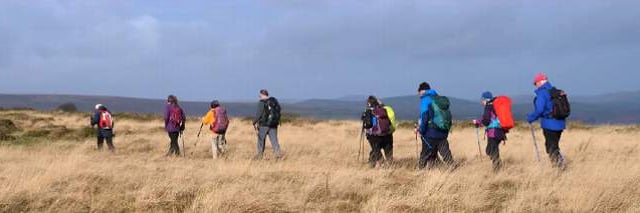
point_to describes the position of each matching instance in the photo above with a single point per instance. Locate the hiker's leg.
(273, 138)
(424, 155)
(175, 147)
(376, 153)
(493, 150)
(221, 143)
(100, 141)
(388, 147)
(214, 147)
(110, 144)
(552, 138)
(443, 149)
(262, 135)
(432, 155)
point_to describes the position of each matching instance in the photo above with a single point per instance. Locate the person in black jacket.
(266, 123)
(494, 132)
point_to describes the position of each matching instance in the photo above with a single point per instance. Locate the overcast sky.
(301, 49)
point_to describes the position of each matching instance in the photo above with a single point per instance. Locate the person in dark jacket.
(434, 141)
(266, 123)
(494, 132)
(174, 124)
(379, 134)
(102, 118)
(551, 128)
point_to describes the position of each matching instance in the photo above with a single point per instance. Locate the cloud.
(320, 48)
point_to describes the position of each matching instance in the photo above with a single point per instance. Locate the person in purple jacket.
(551, 128)
(495, 133)
(174, 123)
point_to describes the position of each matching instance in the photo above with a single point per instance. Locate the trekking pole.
(360, 152)
(197, 138)
(184, 149)
(478, 139)
(535, 145)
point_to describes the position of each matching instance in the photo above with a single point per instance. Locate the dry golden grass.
(320, 172)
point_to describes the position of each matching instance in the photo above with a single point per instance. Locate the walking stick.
(478, 139)
(184, 149)
(360, 149)
(535, 145)
(197, 138)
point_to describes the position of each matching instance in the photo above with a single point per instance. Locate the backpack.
(442, 118)
(273, 112)
(367, 119)
(502, 107)
(175, 116)
(392, 117)
(381, 122)
(105, 121)
(561, 108)
(222, 121)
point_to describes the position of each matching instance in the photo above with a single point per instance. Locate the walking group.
(265, 124)
(379, 124)
(434, 124)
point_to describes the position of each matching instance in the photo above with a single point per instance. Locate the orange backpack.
(502, 106)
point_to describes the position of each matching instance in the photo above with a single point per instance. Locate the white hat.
(98, 106)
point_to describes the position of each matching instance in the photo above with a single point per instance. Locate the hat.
(264, 92)
(98, 106)
(424, 86)
(539, 77)
(215, 103)
(487, 95)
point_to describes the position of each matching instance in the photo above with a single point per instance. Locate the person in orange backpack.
(218, 123)
(102, 118)
(494, 131)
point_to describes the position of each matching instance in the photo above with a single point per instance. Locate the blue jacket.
(425, 115)
(102, 133)
(543, 107)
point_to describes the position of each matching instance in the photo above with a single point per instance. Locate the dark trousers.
(105, 134)
(493, 151)
(174, 147)
(430, 149)
(379, 143)
(552, 140)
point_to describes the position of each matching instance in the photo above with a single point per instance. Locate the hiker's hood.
(430, 92)
(545, 86)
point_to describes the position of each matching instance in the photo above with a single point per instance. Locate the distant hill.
(595, 109)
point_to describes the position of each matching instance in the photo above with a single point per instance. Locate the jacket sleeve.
(486, 117)
(166, 116)
(539, 104)
(207, 118)
(426, 116)
(259, 112)
(95, 119)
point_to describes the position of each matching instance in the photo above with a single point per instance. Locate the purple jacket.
(167, 115)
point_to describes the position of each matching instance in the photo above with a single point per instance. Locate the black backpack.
(561, 108)
(367, 119)
(272, 108)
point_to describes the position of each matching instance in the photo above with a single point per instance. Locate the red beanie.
(539, 77)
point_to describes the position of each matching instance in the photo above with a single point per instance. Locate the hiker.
(378, 129)
(433, 133)
(494, 131)
(394, 125)
(174, 123)
(103, 119)
(266, 123)
(218, 123)
(552, 121)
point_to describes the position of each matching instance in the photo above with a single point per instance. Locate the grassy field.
(48, 163)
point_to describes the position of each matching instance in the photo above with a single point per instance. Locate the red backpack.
(381, 122)
(502, 106)
(222, 121)
(106, 121)
(175, 116)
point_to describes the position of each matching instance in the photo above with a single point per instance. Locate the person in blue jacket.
(434, 141)
(551, 128)
(103, 120)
